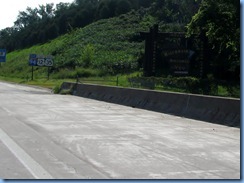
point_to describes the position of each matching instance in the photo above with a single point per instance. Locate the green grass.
(120, 80)
(50, 84)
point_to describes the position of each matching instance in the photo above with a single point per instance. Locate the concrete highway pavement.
(47, 136)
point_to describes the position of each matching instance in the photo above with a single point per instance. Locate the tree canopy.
(219, 21)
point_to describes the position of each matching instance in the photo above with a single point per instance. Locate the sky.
(9, 9)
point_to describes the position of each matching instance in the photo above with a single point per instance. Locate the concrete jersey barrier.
(225, 111)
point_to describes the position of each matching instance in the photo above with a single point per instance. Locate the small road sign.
(48, 62)
(40, 60)
(33, 60)
(3, 53)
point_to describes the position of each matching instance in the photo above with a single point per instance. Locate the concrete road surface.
(47, 136)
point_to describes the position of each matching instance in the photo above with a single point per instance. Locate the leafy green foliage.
(219, 21)
(87, 55)
(105, 47)
(98, 47)
(208, 86)
(46, 22)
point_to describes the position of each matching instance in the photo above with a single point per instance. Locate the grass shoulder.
(183, 85)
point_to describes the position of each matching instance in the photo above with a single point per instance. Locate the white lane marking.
(35, 168)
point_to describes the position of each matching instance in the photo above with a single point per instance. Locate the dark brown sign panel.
(172, 54)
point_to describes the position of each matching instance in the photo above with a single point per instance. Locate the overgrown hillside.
(104, 47)
(109, 46)
(113, 46)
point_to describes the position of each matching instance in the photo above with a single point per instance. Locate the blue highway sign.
(33, 60)
(3, 53)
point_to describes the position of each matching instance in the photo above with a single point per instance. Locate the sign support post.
(48, 72)
(32, 73)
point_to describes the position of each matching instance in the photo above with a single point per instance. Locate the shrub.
(56, 89)
(187, 84)
(87, 55)
(86, 72)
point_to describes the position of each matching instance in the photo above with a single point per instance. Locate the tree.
(27, 18)
(106, 9)
(46, 12)
(61, 8)
(123, 6)
(219, 21)
(177, 11)
(145, 3)
(7, 38)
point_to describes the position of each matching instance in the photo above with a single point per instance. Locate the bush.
(64, 73)
(87, 55)
(85, 72)
(187, 84)
(208, 86)
(56, 89)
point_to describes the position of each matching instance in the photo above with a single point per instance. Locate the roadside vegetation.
(109, 46)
